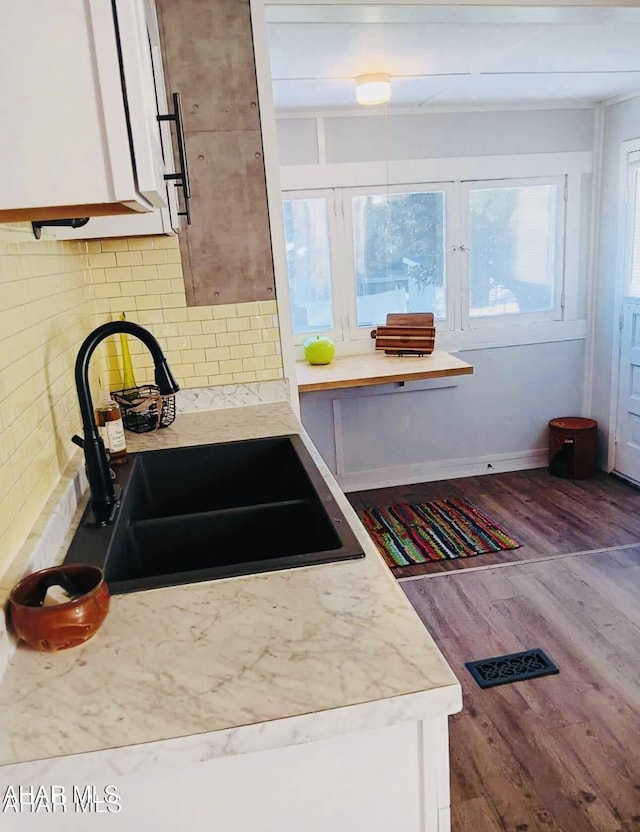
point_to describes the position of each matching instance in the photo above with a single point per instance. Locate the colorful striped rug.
(408, 534)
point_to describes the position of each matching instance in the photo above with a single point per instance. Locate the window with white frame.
(307, 242)
(515, 248)
(398, 253)
(476, 253)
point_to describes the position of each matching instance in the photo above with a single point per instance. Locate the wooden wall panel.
(208, 52)
(208, 55)
(230, 256)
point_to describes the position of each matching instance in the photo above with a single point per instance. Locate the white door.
(627, 449)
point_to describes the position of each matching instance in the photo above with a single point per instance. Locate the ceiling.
(453, 56)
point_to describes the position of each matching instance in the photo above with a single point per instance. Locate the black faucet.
(104, 501)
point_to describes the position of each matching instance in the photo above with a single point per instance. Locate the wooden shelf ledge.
(377, 368)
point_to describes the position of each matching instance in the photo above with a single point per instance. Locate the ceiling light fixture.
(373, 89)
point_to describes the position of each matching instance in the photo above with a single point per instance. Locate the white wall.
(499, 415)
(297, 141)
(388, 435)
(622, 122)
(438, 135)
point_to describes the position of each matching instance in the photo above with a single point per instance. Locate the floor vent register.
(515, 667)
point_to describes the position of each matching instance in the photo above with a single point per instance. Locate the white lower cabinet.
(394, 778)
(80, 136)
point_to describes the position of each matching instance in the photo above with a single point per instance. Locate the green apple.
(318, 349)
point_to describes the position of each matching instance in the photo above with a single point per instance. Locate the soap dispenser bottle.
(111, 428)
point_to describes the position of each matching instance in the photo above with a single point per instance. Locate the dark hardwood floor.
(549, 516)
(559, 753)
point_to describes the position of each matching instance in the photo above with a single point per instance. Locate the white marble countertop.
(232, 665)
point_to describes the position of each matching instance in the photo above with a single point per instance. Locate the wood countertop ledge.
(376, 368)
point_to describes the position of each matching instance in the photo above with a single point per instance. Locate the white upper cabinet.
(80, 135)
(164, 219)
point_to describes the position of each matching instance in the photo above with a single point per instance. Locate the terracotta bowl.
(64, 625)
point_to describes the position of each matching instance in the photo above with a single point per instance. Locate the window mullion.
(337, 268)
(343, 273)
(463, 258)
(561, 250)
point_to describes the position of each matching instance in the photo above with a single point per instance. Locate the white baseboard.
(444, 469)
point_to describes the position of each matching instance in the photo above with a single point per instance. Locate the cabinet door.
(170, 215)
(140, 99)
(375, 780)
(162, 220)
(209, 60)
(67, 135)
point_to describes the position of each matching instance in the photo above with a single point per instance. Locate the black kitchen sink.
(213, 477)
(215, 511)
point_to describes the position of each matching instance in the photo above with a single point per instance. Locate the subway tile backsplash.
(46, 309)
(52, 294)
(205, 345)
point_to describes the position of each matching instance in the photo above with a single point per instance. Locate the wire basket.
(144, 408)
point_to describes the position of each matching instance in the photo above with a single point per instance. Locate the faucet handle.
(79, 441)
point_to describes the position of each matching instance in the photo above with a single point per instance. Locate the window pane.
(399, 255)
(306, 230)
(512, 245)
(633, 278)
